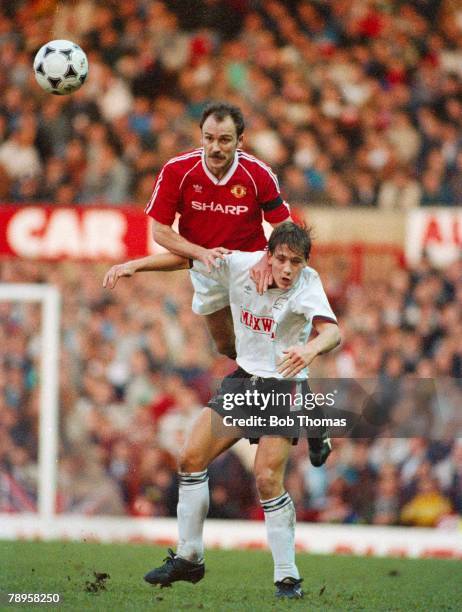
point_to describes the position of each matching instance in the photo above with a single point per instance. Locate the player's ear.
(240, 140)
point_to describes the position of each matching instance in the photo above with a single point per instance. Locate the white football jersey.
(266, 325)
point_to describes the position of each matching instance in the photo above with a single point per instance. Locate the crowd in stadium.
(139, 366)
(349, 101)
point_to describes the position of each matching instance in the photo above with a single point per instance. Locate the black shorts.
(278, 395)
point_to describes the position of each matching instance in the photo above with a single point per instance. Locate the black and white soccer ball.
(60, 67)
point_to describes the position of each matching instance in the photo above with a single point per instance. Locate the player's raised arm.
(162, 262)
(296, 358)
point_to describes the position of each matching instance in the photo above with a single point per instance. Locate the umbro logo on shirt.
(262, 325)
(279, 303)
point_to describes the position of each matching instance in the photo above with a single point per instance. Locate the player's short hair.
(297, 238)
(221, 110)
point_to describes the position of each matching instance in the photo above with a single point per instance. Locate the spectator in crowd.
(427, 506)
(107, 179)
(449, 474)
(386, 499)
(435, 190)
(18, 154)
(85, 488)
(322, 89)
(399, 192)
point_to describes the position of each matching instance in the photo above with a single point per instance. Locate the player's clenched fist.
(116, 272)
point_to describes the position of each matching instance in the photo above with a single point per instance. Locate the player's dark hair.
(296, 237)
(221, 110)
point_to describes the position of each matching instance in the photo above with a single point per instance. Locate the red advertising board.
(86, 233)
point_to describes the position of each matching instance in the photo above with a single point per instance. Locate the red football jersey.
(215, 212)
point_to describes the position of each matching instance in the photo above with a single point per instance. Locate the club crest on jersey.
(261, 325)
(238, 191)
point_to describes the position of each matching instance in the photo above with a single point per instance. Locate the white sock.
(280, 527)
(193, 506)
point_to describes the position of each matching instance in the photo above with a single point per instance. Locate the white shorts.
(209, 294)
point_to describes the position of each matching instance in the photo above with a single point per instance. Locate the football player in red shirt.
(221, 195)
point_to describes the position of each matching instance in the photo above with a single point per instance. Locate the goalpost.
(49, 298)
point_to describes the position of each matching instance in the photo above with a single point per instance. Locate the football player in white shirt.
(272, 344)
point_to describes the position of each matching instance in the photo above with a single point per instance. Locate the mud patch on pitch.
(98, 584)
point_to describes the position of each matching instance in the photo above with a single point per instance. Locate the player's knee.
(191, 460)
(269, 483)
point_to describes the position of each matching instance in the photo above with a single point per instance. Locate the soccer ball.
(60, 67)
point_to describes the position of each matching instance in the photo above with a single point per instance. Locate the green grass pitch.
(234, 580)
